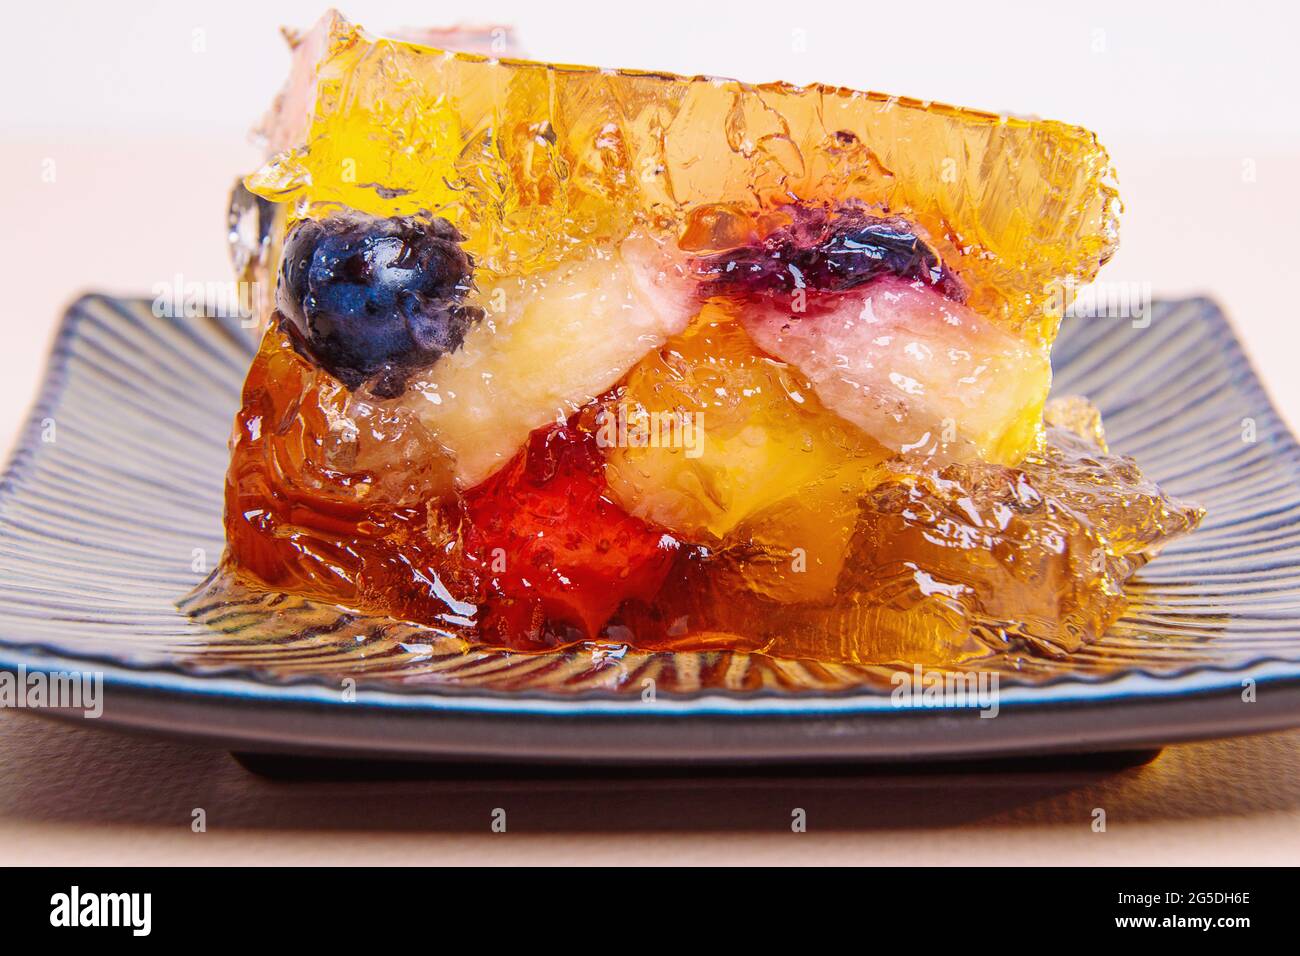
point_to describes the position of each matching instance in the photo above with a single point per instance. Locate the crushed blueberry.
(371, 300)
(825, 251)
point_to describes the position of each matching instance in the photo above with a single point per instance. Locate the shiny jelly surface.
(560, 355)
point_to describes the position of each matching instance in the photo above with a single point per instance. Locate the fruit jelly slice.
(531, 160)
(534, 165)
(555, 550)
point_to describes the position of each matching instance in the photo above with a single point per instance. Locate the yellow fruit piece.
(794, 550)
(549, 344)
(761, 463)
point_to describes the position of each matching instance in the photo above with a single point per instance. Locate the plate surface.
(110, 517)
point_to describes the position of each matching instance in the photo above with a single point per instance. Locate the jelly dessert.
(554, 355)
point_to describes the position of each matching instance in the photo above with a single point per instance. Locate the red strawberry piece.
(554, 548)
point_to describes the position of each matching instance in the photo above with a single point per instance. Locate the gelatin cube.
(630, 446)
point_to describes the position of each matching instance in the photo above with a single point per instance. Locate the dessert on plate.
(555, 354)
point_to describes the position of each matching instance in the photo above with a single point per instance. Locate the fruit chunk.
(820, 250)
(767, 463)
(916, 371)
(553, 546)
(369, 298)
(551, 343)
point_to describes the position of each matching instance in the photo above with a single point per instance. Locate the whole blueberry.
(372, 299)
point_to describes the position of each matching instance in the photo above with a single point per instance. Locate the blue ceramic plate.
(110, 523)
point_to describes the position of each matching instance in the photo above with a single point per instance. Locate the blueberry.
(823, 252)
(371, 300)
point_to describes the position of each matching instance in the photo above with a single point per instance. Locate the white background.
(1185, 75)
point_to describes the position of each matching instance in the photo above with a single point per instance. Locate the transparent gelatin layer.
(557, 354)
